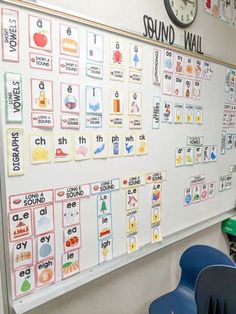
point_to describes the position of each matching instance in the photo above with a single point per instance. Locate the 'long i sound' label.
(13, 97)
(15, 152)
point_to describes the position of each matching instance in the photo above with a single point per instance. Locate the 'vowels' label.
(10, 35)
(13, 97)
(15, 152)
(40, 61)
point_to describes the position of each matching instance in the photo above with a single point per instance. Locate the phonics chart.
(109, 144)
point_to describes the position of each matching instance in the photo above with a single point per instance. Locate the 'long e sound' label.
(13, 97)
(15, 152)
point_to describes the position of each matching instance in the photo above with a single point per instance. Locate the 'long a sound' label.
(13, 97)
(15, 152)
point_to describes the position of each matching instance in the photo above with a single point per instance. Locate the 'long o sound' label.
(15, 152)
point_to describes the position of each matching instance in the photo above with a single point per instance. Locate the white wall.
(131, 289)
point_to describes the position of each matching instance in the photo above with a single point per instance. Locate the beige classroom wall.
(130, 289)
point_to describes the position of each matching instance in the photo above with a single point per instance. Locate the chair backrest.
(216, 290)
(198, 257)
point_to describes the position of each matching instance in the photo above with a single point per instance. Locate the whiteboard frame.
(49, 293)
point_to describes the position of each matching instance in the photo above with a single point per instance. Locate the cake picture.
(69, 45)
(21, 230)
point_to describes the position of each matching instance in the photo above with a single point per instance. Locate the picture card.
(129, 144)
(168, 61)
(45, 246)
(94, 100)
(13, 97)
(198, 155)
(188, 88)
(104, 226)
(99, 146)
(198, 67)
(167, 84)
(178, 113)
(70, 213)
(24, 281)
(15, 152)
(105, 250)
(156, 194)
(141, 144)
(197, 85)
(156, 213)
(132, 242)
(189, 114)
(69, 40)
(136, 56)
(166, 114)
(10, 35)
(45, 272)
(20, 225)
(116, 101)
(204, 191)
(206, 153)
(178, 86)
(40, 33)
(156, 233)
(211, 7)
(43, 219)
(188, 196)
(135, 103)
(178, 63)
(69, 98)
(188, 66)
(179, 157)
(62, 147)
(72, 238)
(82, 146)
(23, 253)
(189, 156)
(41, 95)
(117, 52)
(95, 47)
(103, 204)
(40, 149)
(131, 198)
(213, 153)
(115, 145)
(198, 114)
(131, 220)
(70, 264)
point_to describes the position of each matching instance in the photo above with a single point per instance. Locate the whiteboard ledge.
(51, 292)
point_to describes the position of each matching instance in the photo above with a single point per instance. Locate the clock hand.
(188, 1)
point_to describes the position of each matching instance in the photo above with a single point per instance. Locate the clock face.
(182, 12)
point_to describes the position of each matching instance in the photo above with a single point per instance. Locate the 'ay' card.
(43, 219)
(82, 146)
(23, 253)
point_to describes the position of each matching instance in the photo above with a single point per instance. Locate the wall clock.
(182, 12)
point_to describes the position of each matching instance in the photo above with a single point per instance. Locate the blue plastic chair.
(193, 260)
(216, 290)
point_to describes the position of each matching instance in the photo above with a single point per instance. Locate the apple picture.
(40, 39)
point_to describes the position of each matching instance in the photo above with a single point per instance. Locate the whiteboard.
(160, 157)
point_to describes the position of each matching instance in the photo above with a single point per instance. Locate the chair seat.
(179, 301)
